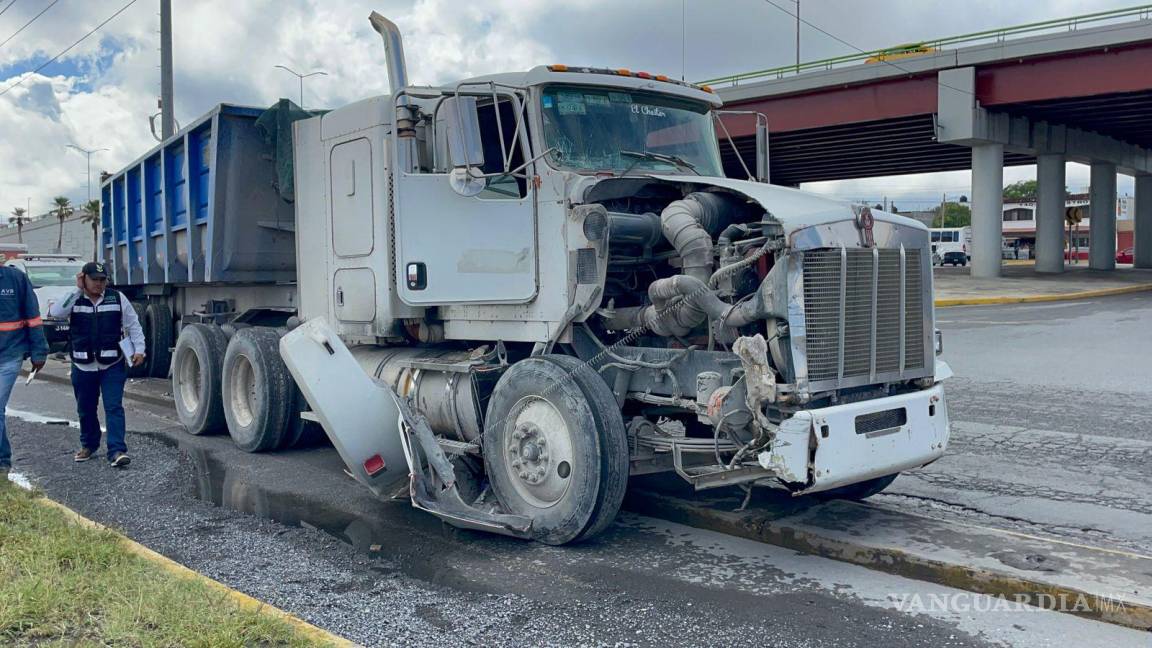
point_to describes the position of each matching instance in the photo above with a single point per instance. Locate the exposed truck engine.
(514, 292)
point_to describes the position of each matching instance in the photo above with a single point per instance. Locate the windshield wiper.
(659, 157)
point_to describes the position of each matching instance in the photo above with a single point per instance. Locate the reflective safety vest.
(96, 330)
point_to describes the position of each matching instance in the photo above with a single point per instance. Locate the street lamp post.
(88, 154)
(301, 77)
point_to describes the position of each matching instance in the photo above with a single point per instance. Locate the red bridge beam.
(886, 99)
(1065, 76)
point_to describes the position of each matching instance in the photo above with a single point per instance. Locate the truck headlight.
(939, 338)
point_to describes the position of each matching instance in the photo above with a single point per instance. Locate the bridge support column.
(1143, 222)
(1102, 211)
(1050, 213)
(987, 208)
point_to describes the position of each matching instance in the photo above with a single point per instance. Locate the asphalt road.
(291, 529)
(1051, 412)
(1052, 435)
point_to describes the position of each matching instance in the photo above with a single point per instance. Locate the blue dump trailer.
(202, 226)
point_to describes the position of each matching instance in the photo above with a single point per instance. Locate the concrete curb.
(843, 536)
(1025, 299)
(241, 599)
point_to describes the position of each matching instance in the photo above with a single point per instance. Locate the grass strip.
(66, 585)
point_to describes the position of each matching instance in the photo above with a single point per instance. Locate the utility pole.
(167, 119)
(301, 77)
(88, 155)
(797, 36)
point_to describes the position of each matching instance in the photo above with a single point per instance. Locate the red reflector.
(644, 75)
(373, 465)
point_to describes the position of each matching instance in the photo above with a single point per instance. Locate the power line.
(7, 8)
(42, 12)
(28, 75)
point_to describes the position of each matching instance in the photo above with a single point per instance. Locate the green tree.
(92, 217)
(1022, 190)
(63, 211)
(952, 214)
(19, 216)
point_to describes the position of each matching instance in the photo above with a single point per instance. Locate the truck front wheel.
(258, 390)
(544, 451)
(196, 372)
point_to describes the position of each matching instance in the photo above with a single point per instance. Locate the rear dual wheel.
(555, 448)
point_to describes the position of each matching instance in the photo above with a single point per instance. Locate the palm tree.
(19, 217)
(92, 217)
(63, 211)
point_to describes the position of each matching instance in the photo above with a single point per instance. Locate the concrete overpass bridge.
(1078, 89)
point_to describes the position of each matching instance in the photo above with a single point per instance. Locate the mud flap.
(358, 414)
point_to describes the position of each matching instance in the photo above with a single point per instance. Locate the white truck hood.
(793, 208)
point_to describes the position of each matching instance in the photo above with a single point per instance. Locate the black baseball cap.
(95, 270)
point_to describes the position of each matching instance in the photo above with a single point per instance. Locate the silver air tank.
(438, 381)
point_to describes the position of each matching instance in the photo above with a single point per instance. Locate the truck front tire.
(259, 396)
(196, 373)
(549, 455)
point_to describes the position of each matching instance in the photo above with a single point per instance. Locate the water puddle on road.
(213, 482)
(395, 532)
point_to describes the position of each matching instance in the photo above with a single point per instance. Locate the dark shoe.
(119, 460)
(4, 470)
(83, 455)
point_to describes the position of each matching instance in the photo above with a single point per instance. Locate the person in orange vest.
(21, 337)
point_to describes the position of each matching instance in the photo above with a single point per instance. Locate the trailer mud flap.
(357, 413)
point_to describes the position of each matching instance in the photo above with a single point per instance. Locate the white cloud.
(225, 51)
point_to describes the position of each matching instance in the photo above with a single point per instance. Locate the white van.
(955, 240)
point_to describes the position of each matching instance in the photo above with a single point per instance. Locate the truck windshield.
(52, 275)
(618, 130)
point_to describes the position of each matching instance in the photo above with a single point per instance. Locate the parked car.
(954, 259)
(1127, 255)
(53, 278)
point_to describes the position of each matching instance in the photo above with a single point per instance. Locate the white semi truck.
(509, 294)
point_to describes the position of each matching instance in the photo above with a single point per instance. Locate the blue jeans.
(89, 387)
(9, 372)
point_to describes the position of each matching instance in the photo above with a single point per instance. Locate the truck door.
(454, 248)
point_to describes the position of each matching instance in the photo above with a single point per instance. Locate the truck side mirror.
(762, 149)
(461, 122)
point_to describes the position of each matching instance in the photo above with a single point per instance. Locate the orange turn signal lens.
(624, 72)
(661, 77)
(558, 68)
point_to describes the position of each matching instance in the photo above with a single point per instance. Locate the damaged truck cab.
(539, 284)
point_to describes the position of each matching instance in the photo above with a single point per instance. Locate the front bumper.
(821, 449)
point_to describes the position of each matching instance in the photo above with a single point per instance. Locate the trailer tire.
(196, 375)
(258, 390)
(542, 450)
(860, 490)
(158, 339)
(142, 370)
(614, 456)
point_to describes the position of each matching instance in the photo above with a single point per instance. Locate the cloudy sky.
(101, 93)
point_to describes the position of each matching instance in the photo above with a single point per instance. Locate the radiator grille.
(854, 310)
